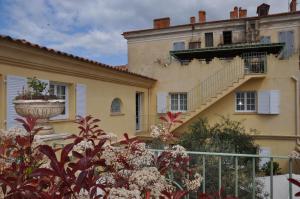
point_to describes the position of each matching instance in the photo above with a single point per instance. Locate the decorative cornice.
(210, 25)
(69, 66)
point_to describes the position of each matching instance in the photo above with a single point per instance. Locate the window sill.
(61, 120)
(140, 131)
(178, 111)
(245, 113)
(117, 114)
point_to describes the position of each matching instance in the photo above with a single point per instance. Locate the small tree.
(226, 136)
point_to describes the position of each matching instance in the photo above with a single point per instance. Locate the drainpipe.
(297, 112)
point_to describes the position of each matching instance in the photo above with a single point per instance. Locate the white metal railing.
(235, 166)
(250, 63)
(215, 83)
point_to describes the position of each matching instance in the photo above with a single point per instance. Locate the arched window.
(116, 106)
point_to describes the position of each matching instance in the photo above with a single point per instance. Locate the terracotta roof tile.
(122, 67)
(25, 42)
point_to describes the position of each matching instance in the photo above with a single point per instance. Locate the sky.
(93, 28)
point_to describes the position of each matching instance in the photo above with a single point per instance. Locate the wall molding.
(68, 66)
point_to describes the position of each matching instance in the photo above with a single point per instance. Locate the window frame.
(66, 115)
(206, 35)
(120, 106)
(246, 98)
(180, 105)
(139, 112)
(225, 36)
(184, 45)
(194, 45)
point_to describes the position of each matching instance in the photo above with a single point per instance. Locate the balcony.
(226, 51)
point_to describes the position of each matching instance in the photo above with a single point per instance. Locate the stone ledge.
(51, 137)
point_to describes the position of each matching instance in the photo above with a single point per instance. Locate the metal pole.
(220, 173)
(203, 174)
(290, 176)
(253, 178)
(271, 179)
(236, 177)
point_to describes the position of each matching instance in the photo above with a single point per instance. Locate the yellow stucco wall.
(148, 54)
(99, 93)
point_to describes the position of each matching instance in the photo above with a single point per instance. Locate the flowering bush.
(91, 166)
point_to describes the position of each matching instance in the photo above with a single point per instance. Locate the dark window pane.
(209, 39)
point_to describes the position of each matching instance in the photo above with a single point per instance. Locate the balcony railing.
(215, 83)
(233, 166)
(255, 63)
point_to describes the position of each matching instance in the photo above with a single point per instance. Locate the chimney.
(202, 16)
(242, 13)
(161, 23)
(263, 10)
(193, 20)
(235, 13)
(293, 6)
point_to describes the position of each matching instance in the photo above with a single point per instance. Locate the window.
(265, 40)
(194, 45)
(139, 111)
(209, 39)
(227, 37)
(61, 91)
(246, 101)
(116, 106)
(179, 45)
(287, 37)
(178, 102)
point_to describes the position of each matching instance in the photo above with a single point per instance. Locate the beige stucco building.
(89, 88)
(246, 68)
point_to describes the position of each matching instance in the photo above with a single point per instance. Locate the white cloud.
(93, 28)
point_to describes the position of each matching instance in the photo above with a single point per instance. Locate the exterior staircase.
(218, 85)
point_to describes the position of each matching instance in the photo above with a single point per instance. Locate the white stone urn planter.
(41, 109)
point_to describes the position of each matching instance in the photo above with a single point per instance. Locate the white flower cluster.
(138, 157)
(149, 178)
(109, 136)
(13, 132)
(82, 146)
(83, 194)
(110, 155)
(192, 185)
(107, 178)
(143, 176)
(122, 193)
(178, 150)
(141, 157)
(160, 131)
(156, 131)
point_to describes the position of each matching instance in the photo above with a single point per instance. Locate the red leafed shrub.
(297, 183)
(90, 166)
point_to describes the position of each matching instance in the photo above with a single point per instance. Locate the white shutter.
(81, 99)
(162, 102)
(269, 102)
(274, 102)
(263, 102)
(14, 86)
